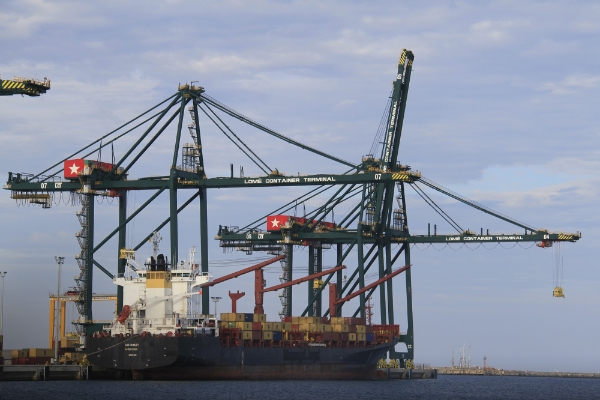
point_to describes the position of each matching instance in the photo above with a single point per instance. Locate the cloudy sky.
(502, 108)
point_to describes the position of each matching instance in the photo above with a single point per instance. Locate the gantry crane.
(375, 225)
(24, 86)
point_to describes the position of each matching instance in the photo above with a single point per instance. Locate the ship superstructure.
(160, 299)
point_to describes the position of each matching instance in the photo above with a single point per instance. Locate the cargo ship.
(159, 335)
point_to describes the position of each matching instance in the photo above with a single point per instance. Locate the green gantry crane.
(24, 86)
(376, 224)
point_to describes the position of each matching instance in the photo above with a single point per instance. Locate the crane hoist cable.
(227, 110)
(234, 142)
(437, 208)
(558, 270)
(473, 204)
(237, 137)
(382, 126)
(300, 199)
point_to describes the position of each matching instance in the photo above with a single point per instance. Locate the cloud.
(572, 84)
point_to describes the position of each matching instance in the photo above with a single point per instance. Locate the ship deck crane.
(373, 226)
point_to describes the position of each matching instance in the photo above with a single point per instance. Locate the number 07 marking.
(377, 177)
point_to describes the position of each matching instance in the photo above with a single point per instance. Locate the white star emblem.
(74, 168)
(275, 223)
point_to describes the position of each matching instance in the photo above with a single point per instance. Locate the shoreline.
(506, 372)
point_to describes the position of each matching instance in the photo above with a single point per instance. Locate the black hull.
(203, 358)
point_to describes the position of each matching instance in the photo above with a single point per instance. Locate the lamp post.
(2, 275)
(216, 300)
(60, 261)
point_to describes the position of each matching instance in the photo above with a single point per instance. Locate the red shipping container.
(256, 326)
(295, 327)
(344, 336)
(287, 319)
(15, 361)
(257, 335)
(369, 329)
(324, 320)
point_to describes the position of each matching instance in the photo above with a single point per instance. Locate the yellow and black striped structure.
(23, 86)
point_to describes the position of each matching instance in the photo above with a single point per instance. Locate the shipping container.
(296, 320)
(361, 329)
(344, 336)
(239, 317)
(340, 328)
(23, 353)
(361, 337)
(256, 335)
(327, 328)
(248, 317)
(277, 335)
(266, 326)
(331, 336)
(226, 317)
(14, 353)
(247, 326)
(287, 319)
(304, 327)
(295, 328)
(267, 335)
(369, 337)
(256, 326)
(352, 337)
(247, 335)
(286, 326)
(277, 326)
(259, 318)
(15, 361)
(316, 327)
(351, 328)
(324, 320)
(369, 328)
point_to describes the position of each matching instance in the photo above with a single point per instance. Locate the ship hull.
(204, 358)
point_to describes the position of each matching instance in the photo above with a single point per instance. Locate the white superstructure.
(159, 299)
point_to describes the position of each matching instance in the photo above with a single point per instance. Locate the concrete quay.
(507, 372)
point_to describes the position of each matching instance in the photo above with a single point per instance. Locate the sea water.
(445, 387)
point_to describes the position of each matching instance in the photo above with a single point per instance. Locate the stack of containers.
(313, 329)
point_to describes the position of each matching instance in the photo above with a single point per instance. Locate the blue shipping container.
(248, 317)
(369, 337)
(277, 335)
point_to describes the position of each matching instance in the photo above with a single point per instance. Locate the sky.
(501, 108)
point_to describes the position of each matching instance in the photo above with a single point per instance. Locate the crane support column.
(382, 272)
(337, 290)
(390, 288)
(204, 248)
(319, 268)
(122, 243)
(311, 282)
(290, 262)
(89, 263)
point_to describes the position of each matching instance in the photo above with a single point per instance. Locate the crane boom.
(24, 86)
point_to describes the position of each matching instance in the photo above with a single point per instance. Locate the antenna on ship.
(155, 239)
